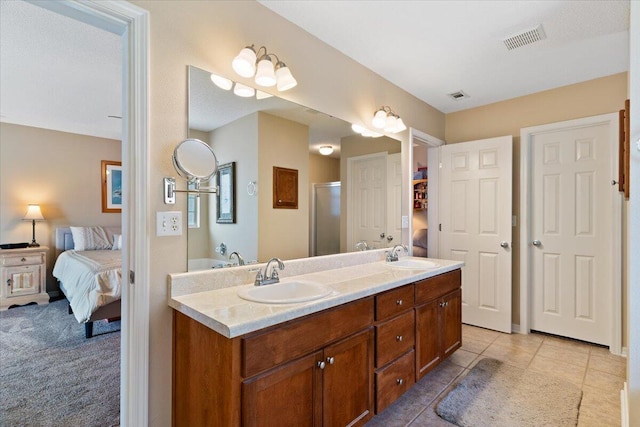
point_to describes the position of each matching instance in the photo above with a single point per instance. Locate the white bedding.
(89, 279)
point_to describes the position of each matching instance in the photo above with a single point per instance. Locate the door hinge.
(132, 277)
(439, 227)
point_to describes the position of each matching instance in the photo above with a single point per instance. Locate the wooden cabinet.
(438, 320)
(23, 275)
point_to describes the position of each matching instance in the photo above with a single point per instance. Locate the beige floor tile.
(462, 358)
(567, 343)
(565, 354)
(526, 342)
(603, 381)
(442, 375)
(598, 402)
(591, 420)
(479, 334)
(509, 354)
(429, 418)
(558, 369)
(610, 364)
(473, 345)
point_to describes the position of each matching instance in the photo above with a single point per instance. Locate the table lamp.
(33, 214)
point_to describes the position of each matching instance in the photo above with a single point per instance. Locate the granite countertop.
(226, 313)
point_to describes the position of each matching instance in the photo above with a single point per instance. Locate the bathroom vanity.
(335, 361)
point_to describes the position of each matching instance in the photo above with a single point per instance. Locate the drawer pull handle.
(321, 364)
(399, 381)
(399, 338)
(399, 302)
(331, 360)
(23, 259)
(9, 281)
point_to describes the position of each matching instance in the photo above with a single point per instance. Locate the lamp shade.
(379, 119)
(33, 214)
(221, 82)
(265, 76)
(325, 150)
(390, 126)
(243, 91)
(285, 78)
(400, 125)
(245, 63)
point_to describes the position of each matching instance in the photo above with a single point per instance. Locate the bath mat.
(499, 395)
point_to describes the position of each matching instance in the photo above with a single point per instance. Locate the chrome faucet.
(240, 259)
(266, 278)
(392, 255)
(362, 245)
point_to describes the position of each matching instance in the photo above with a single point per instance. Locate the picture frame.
(111, 186)
(226, 195)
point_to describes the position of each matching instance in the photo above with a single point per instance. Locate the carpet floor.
(51, 375)
(499, 395)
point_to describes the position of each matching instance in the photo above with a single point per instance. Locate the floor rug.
(51, 375)
(500, 395)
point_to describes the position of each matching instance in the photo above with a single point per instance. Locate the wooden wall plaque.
(285, 188)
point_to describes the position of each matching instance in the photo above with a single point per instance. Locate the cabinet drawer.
(266, 349)
(437, 286)
(393, 302)
(22, 260)
(394, 337)
(394, 380)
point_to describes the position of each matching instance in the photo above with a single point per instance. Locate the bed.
(90, 279)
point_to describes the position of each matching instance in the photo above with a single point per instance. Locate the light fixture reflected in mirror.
(250, 63)
(243, 91)
(325, 150)
(221, 82)
(365, 132)
(384, 118)
(262, 95)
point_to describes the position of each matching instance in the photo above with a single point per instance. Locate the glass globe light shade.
(245, 63)
(379, 119)
(391, 124)
(244, 91)
(400, 125)
(221, 82)
(325, 150)
(357, 128)
(265, 76)
(285, 78)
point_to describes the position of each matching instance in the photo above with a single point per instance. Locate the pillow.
(117, 242)
(90, 238)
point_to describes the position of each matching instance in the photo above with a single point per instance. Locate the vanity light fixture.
(365, 132)
(221, 82)
(240, 89)
(325, 150)
(384, 118)
(260, 63)
(243, 91)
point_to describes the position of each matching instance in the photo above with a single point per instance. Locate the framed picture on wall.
(226, 196)
(111, 186)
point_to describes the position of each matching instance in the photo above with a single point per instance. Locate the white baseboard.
(624, 406)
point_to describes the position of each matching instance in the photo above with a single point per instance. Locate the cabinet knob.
(331, 360)
(321, 364)
(399, 338)
(9, 281)
(399, 381)
(23, 259)
(441, 304)
(399, 302)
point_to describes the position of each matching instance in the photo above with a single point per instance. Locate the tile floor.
(593, 368)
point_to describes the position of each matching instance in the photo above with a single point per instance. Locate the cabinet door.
(22, 280)
(451, 323)
(348, 383)
(290, 395)
(428, 353)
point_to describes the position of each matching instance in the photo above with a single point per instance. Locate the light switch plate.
(169, 223)
(405, 221)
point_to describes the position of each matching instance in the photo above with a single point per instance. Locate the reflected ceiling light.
(365, 132)
(325, 150)
(262, 95)
(385, 118)
(221, 82)
(250, 63)
(243, 91)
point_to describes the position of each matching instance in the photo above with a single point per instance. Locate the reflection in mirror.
(349, 196)
(195, 160)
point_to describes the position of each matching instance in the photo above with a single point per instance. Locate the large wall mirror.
(346, 201)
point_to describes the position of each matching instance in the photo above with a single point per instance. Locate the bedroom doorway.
(131, 24)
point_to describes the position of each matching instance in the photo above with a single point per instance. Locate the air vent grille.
(457, 96)
(527, 37)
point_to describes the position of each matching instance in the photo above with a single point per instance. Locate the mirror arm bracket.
(169, 186)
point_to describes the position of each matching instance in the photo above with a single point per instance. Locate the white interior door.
(475, 217)
(572, 233)
(394, 200)
(367, 210)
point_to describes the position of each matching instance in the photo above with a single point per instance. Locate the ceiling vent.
(524, 38)
(457, 96)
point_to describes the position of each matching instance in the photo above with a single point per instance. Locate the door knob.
(614, 182)
(389, 238)
(536, 243)
(504, 244)
(382, 235)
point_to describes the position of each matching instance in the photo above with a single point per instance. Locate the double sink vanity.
(335, 342)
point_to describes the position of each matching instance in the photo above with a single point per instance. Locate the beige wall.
(282, 232)
(209, 35)
(590, 98)
(58, 170)
(323, 169)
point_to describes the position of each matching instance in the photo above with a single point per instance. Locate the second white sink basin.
(412, 264)
(285, 292)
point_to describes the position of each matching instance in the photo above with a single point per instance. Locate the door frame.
(615, 202)
(132, 24)
(312, 212)
(418, 137)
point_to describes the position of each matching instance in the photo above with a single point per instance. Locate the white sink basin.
(412, 264)
(285, 292)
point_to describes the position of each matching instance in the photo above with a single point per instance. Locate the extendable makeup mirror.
(195, 161)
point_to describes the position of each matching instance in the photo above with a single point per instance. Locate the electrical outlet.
(169, 223)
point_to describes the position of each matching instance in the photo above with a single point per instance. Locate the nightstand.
(23, 274)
